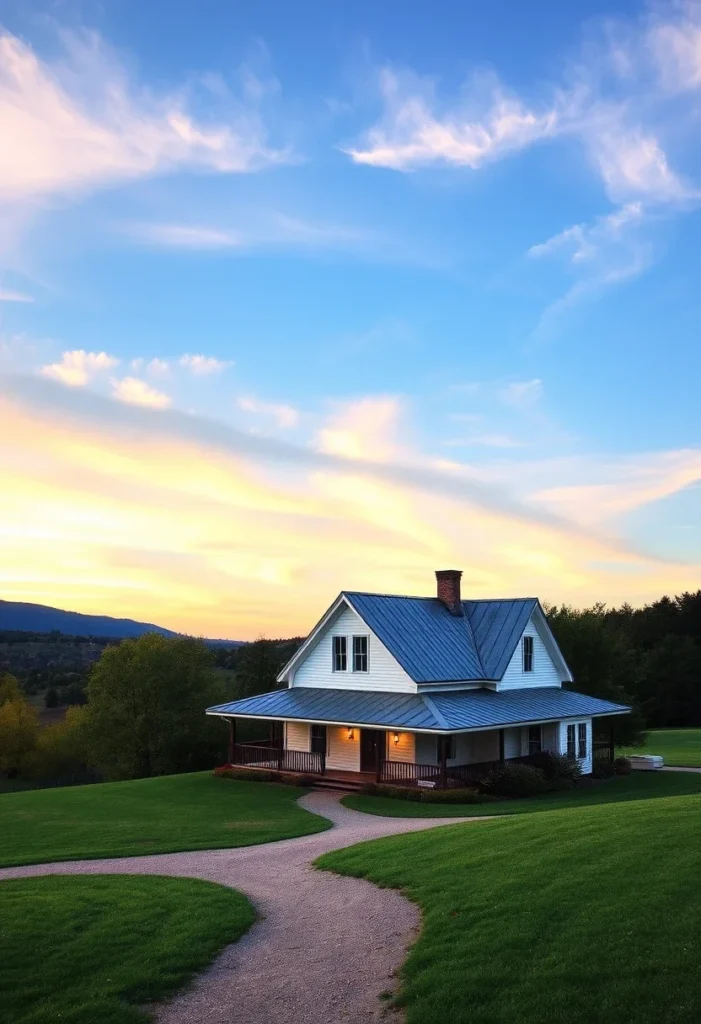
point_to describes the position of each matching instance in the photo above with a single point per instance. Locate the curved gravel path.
(326, 947)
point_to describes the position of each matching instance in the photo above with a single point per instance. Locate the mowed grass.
(100, 948)
(162, 815)
(680, 747)
(582, 914)
(637, 786)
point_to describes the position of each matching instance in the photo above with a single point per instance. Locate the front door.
(372, 749)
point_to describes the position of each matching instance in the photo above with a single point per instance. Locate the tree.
(19, 729)
(9, 688)
(61, 748)
(51, 698)
(604, 663)
(146, 708)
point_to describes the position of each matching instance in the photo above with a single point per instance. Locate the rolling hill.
(41, 618)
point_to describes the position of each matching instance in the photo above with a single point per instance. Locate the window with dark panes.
(528, 654)
(571, 741)
(360, 654)
(318, 738)
(582, 740)
(340, 654)
(535, 739)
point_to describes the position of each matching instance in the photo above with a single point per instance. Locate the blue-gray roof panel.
(439, 712)
(432, 645)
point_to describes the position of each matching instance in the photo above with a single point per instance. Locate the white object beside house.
(420, 690)
(646, 762)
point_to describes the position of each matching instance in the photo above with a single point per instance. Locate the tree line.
(145, 698)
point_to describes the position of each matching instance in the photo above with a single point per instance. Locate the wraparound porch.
(410, 758)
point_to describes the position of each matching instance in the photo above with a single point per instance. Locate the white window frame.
(582, 739)
(366, 655)
(341, 654)
(527, 653)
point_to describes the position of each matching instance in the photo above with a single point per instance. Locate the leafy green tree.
(61, 748)
(604, 663)
(146, 708)
(51, 698)
(19, 730)
(9, 688)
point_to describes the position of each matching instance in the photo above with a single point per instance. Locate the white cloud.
(202, 366)
(284, 415)
(138, 392)
(411, 134)
(10, 296)
(583, 242)
(676, 48)
(80, 123)
(364, 428)
(78, 367)
(522, 394)
(632, 164)
(185, 236)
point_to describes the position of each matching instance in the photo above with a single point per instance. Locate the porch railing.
(405, 773)
(276, 759)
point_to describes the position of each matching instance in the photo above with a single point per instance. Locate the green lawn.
(681, 747)
(581, 914)
(99, 948)
(163, 815)
(638, 786)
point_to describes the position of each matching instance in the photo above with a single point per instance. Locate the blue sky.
(298, 298)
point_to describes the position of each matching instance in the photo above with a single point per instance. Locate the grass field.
(86, 949)
(638, 786)
(163, 815)
(581, 914)
(681, 747)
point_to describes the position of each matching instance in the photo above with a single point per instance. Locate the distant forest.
(649, 657)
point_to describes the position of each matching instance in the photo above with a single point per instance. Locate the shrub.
(622, 766)
(558, 768)
(514, 780)
(427, 796)
(602, 770)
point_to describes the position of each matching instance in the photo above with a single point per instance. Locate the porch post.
(612, 745)
(501, 746)
(444, 766)
(232, 739)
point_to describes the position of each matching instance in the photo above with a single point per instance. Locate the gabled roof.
(434, 646)
(438, 713)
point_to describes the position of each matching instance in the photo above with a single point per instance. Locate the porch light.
(351, 734)
(396, 738)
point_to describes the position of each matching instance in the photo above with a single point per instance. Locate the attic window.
(340, 654)
(528, 654)
(360, 654)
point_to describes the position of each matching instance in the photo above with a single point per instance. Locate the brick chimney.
(448, 589)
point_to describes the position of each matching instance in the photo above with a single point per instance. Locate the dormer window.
(360, 654)
(527, 644)
(340, 653)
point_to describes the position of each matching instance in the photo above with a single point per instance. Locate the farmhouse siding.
(296, 736)
(342, 753)
(544, 672)
(384, 673)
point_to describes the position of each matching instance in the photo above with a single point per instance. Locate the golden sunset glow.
(152, 525)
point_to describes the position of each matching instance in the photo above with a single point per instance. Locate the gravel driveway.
(326, 947)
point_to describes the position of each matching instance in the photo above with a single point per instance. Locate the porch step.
(347, 785)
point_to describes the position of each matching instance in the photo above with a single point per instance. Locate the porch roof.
(458, 711)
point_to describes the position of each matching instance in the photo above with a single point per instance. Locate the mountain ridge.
(26, 617)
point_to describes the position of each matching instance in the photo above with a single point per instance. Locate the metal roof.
(432, 645)
(437, 712)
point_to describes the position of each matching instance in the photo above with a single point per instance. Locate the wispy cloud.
(284, 415)
(11, 296)
(134, 391)
(80, 123)
(77, 368)
(485, 441)
(412, 133)
(204, 366)
(155, 367)
(184, 236)
(522, 394)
